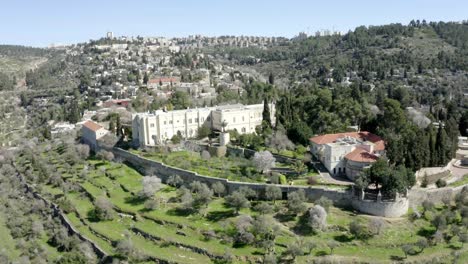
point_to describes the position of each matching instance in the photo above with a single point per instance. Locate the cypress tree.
(266, 113)
(441, 146)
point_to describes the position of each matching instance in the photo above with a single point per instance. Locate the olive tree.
(104, 209)
(273, 193)
(237, 201)
(151, 184)
(317, 218)
(218, 188)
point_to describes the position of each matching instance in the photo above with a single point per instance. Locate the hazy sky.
(41, 22)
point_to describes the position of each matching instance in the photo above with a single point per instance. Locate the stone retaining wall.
(339, 197)
(395, 208)
(437, 196)
(163, 171)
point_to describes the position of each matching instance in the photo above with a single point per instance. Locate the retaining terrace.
(346, 198)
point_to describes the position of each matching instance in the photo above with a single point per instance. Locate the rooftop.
(361, 155)
(91, 125)
(379, 144)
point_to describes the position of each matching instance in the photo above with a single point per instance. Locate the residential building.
(348, 153)
(163, 82)
(91, 132)
(150, 129)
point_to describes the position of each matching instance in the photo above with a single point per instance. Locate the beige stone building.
(348, 153)
(150, 129)
(91, 132)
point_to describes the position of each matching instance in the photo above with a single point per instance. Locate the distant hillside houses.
(150, 129)
(347, 154)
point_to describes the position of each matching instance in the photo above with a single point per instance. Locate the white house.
(150, 129)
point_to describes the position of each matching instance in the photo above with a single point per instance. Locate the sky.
(43, 22)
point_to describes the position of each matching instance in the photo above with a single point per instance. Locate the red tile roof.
(361, 155)
(93, 126)
(379, 144)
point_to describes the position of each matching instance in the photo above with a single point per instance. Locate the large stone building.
(150, 129)
(347, 153)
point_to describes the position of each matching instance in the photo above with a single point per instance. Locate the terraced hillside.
(214, 232)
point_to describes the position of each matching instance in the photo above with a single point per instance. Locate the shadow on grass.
(343, 238)
(285, 217)
(92, 217)
(179, 212)
(427, 231)
(220, 215)
(135, 200)
(321, 253)
(302, 228)
(397, 258)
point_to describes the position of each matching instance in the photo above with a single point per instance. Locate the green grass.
(7, 243)
(460, 182)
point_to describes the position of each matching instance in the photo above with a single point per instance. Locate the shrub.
(175, 181)
(312, 180)
(359, 230)
(424, 182)
(441, 183)
(282, 179)
(324, 202)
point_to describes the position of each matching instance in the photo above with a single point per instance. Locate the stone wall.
(163, 171)
(432, 174)
(437, 196)
(395, 208)
(339, 197)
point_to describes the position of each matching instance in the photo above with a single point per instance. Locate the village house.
(163, 82)
(150, 129)
(91, 132)
(347, 154)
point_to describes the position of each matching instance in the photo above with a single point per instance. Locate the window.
(233, 119)
(170, 122)
(164, 122)
(243, 119)
(243, 130)
(151, 125)
(190, 121)
(208, 119)
(196, 120)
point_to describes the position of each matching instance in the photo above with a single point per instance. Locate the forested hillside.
(393, 80)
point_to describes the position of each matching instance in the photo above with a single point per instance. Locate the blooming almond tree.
(264, 161)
